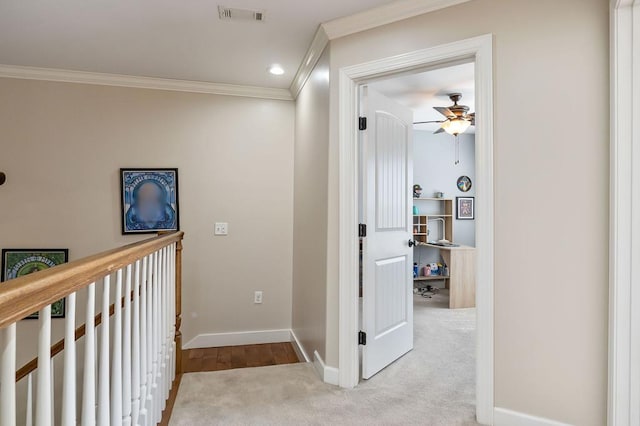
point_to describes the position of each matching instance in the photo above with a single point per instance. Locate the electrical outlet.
(221, 228)
(257, 297)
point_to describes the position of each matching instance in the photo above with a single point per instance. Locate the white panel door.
(387, 316)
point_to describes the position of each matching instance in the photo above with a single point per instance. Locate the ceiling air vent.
(231, 14)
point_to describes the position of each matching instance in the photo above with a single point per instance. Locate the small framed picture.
(19, 262)
(465, 208)
(149, 199)
(464, 183)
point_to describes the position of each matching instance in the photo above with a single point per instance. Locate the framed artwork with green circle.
(19, 262)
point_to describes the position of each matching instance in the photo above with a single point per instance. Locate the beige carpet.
(432, 385)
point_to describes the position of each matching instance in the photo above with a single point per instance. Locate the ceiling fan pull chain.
(457, 142)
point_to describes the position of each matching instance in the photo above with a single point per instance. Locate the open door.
(387, 290)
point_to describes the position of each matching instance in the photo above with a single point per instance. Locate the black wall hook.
(3, 178)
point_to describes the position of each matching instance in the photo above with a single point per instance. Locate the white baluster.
(29, 415)
(8, 375)
(171, 316)
(89, 379)
(150, 349)
(167, 321)
(69, 384)
(103, 372)
(135, 339)
(44, 412)
(143, 347)
(126, 351)
(164, 351)
(52, 393)
(116, 356)
(173, 311)
(156, 336)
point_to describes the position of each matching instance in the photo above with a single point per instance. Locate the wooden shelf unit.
(460, 260)
(424, 223)
(432, 278)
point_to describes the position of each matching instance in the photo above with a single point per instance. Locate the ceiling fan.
(458, 119)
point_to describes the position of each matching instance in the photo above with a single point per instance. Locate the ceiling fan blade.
(440, 130)
(445, 111)
(426, 122)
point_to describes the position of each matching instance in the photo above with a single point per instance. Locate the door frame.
(480, 51)
(624, 230)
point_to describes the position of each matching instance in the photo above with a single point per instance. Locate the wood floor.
(228, 357)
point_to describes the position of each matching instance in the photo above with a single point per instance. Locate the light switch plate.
(221, 228)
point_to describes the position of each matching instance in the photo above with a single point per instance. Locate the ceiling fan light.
(456, 126)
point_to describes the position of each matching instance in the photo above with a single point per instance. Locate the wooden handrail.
(20, 297)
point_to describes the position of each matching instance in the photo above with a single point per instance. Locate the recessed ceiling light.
(276, 70)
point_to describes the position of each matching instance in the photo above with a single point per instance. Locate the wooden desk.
(461, 280)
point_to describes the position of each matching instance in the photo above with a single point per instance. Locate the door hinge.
(362, 338)
(362, 123)
(362, 230)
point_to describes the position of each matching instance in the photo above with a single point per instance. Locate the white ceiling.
(167, 38)
(421, 92)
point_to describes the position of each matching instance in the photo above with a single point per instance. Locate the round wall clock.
(464, 183)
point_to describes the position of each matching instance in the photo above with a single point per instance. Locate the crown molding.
(102, 79)
(386, 14)
(319, 43)
(619, 4)
(393, 12)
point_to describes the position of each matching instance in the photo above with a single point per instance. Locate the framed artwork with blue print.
(149, 200)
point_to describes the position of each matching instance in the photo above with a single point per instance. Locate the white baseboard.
(214, 340)
(327, 374)
(504, 417)
(297, 346)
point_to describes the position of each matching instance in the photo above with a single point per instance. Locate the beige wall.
(551, 191)
(310, 210)
(62, 145)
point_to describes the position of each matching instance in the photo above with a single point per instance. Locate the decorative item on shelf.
(434, 269)
(464, 183)
(3, 178)
(439, 194)
(465, 208)
(416, 212)
(19, 262)
(417, 191)
(415, 270)
(427, 270)
(149, 199)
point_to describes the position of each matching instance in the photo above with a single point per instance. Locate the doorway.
(478, 50)
(419, 322)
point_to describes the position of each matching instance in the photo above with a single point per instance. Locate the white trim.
(624, 245)
(328, 375)
(102, 79)
(214, 340)
(319, 43)
(386, 14)
(480, 50)
(504, 417)
(297, 346)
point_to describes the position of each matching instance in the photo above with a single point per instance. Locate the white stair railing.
(131, 348)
